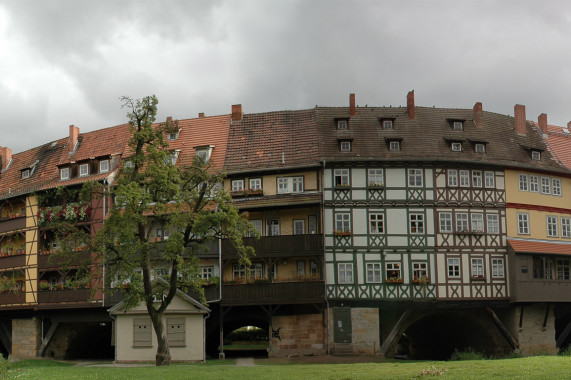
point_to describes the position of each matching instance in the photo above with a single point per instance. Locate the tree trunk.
(163, 356)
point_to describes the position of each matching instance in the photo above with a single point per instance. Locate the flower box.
(252, 192)
(342, 233)
(239, 193)
(394, 281)
(478, 278)
(376, 185)
(421, 281)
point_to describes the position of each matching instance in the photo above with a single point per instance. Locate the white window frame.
(565, 227)
(534, 184)
(84, 170)
(341, 177)
(479, 148)
(523, 223)
(374, 273)
(476, 178)
(206, 272)
(445, 219)
(342, 124)
(345, 146)
(452, 178)
(343, 221)
(456, 147)
(545, 185)
(258, 225)
(493, 223)
(536, 155)
(237, 185)
(299, 226)
(25, 173)
(290, 185)
(171, 136)
(171, 157)
(414, 177)
(498, 268)
(419, 270)
(556, 186)
(394, 145)
(64, 173)
(464, 178)
(552, 225)
(490, 180)
(462, 222)
(255, 183)
(458, 125)
(522, 181)
(393, 271)
(376, 223)
(416, 223)
(477, 267)
(103, 166)
(477, 222)
(453, 267)
(376, 177)
(388, 124)
(344, 273)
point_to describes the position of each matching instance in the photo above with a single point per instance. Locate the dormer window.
(456, 146)
(64, 173)
(204, 152)
(479, 148)
(394, 145)
(345, 146)
(129, 164)
(387, 124)
(458, 125)
(172, 135)
(103, 166)
(536, 155)
(171, 157)
(342, 124)
(83, 170)
(25, 173)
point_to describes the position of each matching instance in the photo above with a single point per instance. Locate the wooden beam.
(47, 339)
(563, 336)
(503, 329)
(390, 343)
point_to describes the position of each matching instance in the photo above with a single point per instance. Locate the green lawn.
(540, 367)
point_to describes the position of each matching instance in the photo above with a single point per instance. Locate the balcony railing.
(55, 261)
(64, 296)
(264, 293)
(12, 298)
(17, 222)
(12, 261)
(279, 246)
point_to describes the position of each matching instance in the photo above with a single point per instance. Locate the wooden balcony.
(265, 293)
(538, 290)
(46, 261)
(13, 261)
(64, 296)
(17, 222)
(279, 246)
(12, 298)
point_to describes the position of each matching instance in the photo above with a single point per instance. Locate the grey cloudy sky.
(67, 62)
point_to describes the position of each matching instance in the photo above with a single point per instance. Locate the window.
(345, 273)
(341, 177)
(490, 180)
(419, 271)
(206, 272)
(300, 268)
(176, 335)
(64, 173)
(478, 267)
(415, 177)
(458, 125)
(416, 223)
(239, 271)
(312, 224)
(522, 179)
(342, 222)
(556, 186)
(313, 268)
(290, 185)
(83, 170)
(452, 177)
(373, 272)
(142, 332)
(171, 157)
(258, 226)
(522, 223)
(456, 147)
(237, 185)
(493, 223)
(376, 223)
(394, 145)
(393, 271)
(387, 124)
(480, 148)
(25, 173)
(462, 222)
(545, 185)
(534, 184)
(498, 268)
(203, 153)
(477, 222)
(562, 269)
(129, 164)
(341, 124)
(299, 226)
(552, 226)
(454, 267)
(255, 184)
(477, 178)
(345, 146)
(376, 177)
(536, 155)
(464, 178)
(103, 166)
(565, 227)
(445, 222)
(273, 227)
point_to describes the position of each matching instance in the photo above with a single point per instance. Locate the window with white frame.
(393, 272)
(376, 223)
(464, 178)
(452, 177)
(479, 148)
(457, 125)
(345, 273)
(25, 173)
(416, 223)
(171, 157)
(414, 177)
(299, 226)
(240, 271)
(290, 185)
(206, 272)
(373, 272)
(493, 223)
(523, 223)
(562, 269)
(419, 271)
(387, 124)
(83, 170)
(445, 221)
(462, 222)
(258, 226)
(273, 227)
(536, 155)
(342, 124)
(490, 180)
(300, 268)
(456, 147)
(534, 184)
(477, 178)
(477, 267)
(255, 184)
(498, 268)
(522, 180)
(565, 227)
(545, 185)
(552, 226)
(103, 166)
(477, 222)
(313, 268)
(394, 145)
(453, 267)
(341, 177)
(555, 186)
(64, 173)
(342, 222)
(345, 146)
(237, 185)
(376, 177)
(203, 153)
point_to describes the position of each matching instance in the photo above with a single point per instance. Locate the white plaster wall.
(395, 177)
(330, 273)
(360, 221)
(359, 177)
(396, 221)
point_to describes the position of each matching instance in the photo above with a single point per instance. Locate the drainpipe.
(114, 323)
(323, 162)
(204, 338)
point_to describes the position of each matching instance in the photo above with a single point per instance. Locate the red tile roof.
(530, 246)
(100, 143)
(559, 143)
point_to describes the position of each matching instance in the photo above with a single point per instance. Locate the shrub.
(468, 354)
(565, 352)
(250, 335)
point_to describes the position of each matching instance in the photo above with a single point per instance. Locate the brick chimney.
(410, 104)
(73, 136)
(6, 157)
(478, 114)
(352, 104)
(169, 119)
(236, 112)
(519, 119)
(201, 115)
(542, 121)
